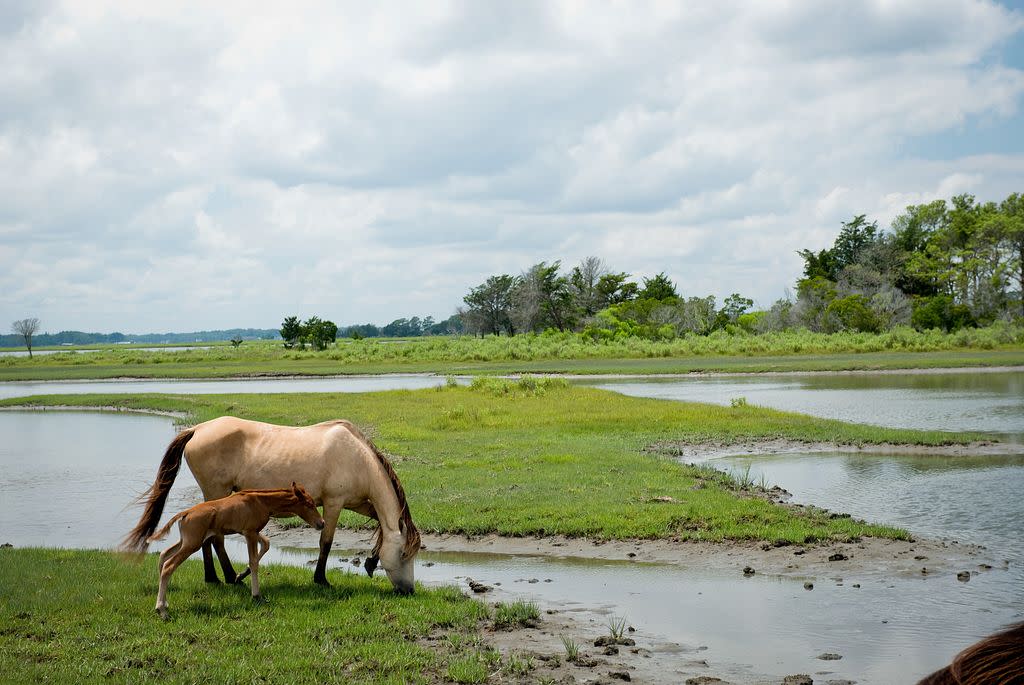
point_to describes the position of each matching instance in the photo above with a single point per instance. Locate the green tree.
(856, 236)
(733, 307)
(616, 288)
(1013, 210)
(853, 313)
(659, 288)
(490, 306)
(583, 282)
(544, 299)
(319, 333)
(291, 331)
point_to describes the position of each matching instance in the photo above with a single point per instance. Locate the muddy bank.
(687, 451)
(866, 557)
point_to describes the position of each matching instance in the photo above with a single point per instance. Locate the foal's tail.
(156, 496)
(162, 533)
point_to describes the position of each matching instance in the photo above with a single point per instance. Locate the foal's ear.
(295, 487)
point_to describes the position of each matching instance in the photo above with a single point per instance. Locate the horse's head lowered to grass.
(395, 548)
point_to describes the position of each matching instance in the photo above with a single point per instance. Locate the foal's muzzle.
(319, 525)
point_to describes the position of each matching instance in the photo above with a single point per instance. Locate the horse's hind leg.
(225, 562)
(209, 570)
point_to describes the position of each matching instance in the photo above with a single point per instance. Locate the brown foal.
(245, 512)
(996, 660)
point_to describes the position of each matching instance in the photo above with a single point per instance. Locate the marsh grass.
(547, 353)
(572, 648)
(517, 614)
(87, 616)
(572, 461)
(617, 627)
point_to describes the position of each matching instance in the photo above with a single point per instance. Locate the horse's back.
(229, 453)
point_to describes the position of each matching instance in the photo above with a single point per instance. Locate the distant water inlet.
(978, 401)
(79, 472)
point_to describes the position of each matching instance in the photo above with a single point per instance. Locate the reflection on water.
(991, 402)
(206, 387)
(976, 499)
(67, 480)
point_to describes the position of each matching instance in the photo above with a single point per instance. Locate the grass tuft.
(518, 614)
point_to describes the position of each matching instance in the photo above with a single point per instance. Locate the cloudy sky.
(170, 167)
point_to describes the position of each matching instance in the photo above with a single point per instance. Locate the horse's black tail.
(156, 496)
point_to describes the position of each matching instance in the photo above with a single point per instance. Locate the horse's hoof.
(322, 581)
(212, 581)
(258, 599)
(162, 613)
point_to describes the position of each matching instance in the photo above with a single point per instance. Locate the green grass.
(516, 614)
(545, 458)
(87, 616)
(548, 353)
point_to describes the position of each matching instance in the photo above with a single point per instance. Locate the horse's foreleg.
(331, 512)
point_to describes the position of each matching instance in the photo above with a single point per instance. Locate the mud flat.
(655, 658)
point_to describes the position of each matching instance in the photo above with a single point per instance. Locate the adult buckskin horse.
(339, 467)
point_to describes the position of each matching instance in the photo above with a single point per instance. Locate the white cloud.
(165, 167)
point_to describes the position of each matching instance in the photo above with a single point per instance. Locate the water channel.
(65, 481)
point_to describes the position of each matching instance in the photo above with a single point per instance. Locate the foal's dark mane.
(412, 534)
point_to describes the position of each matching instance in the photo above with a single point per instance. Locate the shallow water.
(235, 385)
(983, 401)
(990, 402)
(974, 499)
(67, 480)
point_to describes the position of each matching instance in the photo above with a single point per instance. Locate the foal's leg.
(166, 554)
(331, 512)
(254, 561)
(264, 546)
(170, 562)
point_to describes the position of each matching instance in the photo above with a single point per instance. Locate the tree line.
(17, 338)
(939, 265)
(944, 265)
(593, 299)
